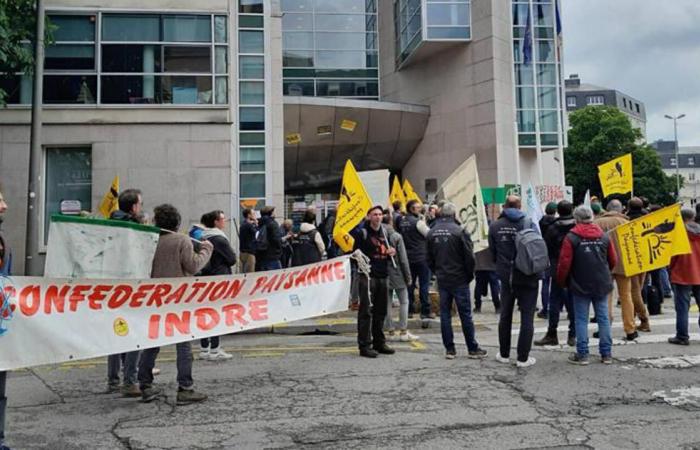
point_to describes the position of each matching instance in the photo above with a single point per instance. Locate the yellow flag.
(408, 190)
(649, 242)
(397, 194)
(110, 202)
(616, 175)
(352, 207)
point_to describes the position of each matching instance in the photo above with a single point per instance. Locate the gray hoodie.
(400, 276)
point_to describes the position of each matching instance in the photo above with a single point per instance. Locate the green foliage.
(17, 28)
(601, 133)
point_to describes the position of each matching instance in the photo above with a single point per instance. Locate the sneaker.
(571, 341)
(368, 353)
(501, 359)
(187, 396)
(450, 354)
(644, 326)
(542, 314)
(406, 336)
(149, 393)
(477, 354)
(425, 323)
(131, 390)
(392, 336)
(384, 350)
(548, 339)
(678, 341)
(631, 336)
(204, 354)
(577, 359)
(113, 388)
(219, 354)
(606, 359)
(530, 362)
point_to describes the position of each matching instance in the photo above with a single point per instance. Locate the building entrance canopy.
(322, 133)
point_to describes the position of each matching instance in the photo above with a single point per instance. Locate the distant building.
(579, 95)
(688, 162)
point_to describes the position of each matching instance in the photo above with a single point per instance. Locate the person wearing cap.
(371, 239)
(586, 259)
(269, 255)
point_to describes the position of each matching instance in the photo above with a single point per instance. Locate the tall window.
(593, 100)
(571, 102)
(448, 19)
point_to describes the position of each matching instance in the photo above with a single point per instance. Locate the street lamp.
(675, 138)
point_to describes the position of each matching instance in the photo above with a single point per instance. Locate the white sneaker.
(405, 336)
(530, 362)
(219, 354)
(204, 353)
(501, 359)
(392, 336)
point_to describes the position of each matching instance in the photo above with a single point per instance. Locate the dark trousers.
(421, 272)
(128, 361)
(214, 341)
(558, 297)
(183, 362)
(460, 296)
(3, 405)
(484, 279)
(370, 319)
(527, 300)
(545, 293)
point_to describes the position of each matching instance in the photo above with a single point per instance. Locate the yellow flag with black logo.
(648, 243)
(409, 192)
(352, 207)
(397, 194)
(616, 175)
(110, 202)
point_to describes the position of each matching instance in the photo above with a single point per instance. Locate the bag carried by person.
(531, 251)
(262, 243)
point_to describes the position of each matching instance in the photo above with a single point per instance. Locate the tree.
(601, 133)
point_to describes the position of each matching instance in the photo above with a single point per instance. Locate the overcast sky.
(648, 49)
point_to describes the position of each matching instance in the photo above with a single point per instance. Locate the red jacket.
(566, 256)
(685, 269)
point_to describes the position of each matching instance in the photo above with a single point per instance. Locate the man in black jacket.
(451, 258)
(413, 229)
(559, 295)
(515, 285)
(548, 219)
(269, 256)
(247, 241)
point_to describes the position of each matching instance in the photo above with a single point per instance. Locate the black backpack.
(304, 249)
(262, 243)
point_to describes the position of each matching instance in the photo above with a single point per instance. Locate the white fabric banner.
(48, 321)
(97, 248)
(464, 190)
(377, 186)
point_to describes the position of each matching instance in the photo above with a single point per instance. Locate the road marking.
(680, 397)
(616, 325)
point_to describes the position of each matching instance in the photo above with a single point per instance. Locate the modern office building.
(223, 104)
(686, 163)
(579, 95)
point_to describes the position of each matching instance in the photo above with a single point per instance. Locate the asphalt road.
(286, 391)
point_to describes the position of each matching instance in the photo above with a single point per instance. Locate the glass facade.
(330, 48)
(133, 59)
(536, 73)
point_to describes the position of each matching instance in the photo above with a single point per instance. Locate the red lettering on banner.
(203, 297)
(56, 298)
(281, 279)
(77, 295)
(339, 270)
(195, 290)
(10, 292)
(312, 276)
(157, 295)
(270, 284)
(232, 313)
(139, 295)
(326, 275)
(236, 288)
(257, 309)
(29, 300)
(173, 321)
(301, 279)
(177, 295)
(153, 326)
(218, 291)
(119, 296)
(259, 283)
(96, 296)
(290, 280)
(207, 318)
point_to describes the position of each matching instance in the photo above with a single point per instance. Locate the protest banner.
(51, 320)
(376, 183)
(397, 194)
(616, 176)
(110, 202)
(463, 189)
(648, 243)
(352, 207)
(533, 210)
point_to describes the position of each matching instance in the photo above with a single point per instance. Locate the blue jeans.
(484, 279)
(129, 361)
(546, 284)
(666, 282)
(460, 296)
(582, 306)
(421, 272)
(270, 265)
(558, 297)
(183, 362)
(681, 298)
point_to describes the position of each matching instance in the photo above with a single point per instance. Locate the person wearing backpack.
(249, 229)
(517, 285)
(559, 296)
(586, 260)
(307, 245)
(268, 241)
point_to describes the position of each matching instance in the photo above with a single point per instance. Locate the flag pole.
(386, 238)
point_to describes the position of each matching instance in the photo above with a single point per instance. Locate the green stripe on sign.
(104, 222)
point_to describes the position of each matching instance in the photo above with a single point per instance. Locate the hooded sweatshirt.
(685, 269)
(586, 258)
(223, 257)
(502, 246)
